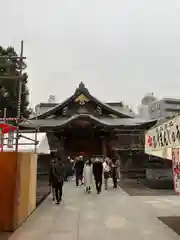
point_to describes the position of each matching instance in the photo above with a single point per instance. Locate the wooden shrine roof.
(117, 111)
(104, 121)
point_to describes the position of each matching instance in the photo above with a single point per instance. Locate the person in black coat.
(98, 171)
(51, 178)
(58, 171)
(79, 167)
(66, 165)
(114, 172)
(69, 166)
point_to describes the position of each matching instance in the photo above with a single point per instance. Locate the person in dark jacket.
(51, 179)
(114, 172)
(79, 167)
(98, 171)
(68, 166)
(66, 170)
(58, 172)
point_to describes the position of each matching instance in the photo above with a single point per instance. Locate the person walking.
(58, 171)
(68, 168)
(106, 171)
(88, 176)
(70, 164)
(114, 172)
(81, 169)
(51, 179)
(79, 166)
(98, 171)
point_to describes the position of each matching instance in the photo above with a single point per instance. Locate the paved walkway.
(111, 215)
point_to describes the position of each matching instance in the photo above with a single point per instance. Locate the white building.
(143, 109)
(44, 107)
(152, 108)
(164, 108)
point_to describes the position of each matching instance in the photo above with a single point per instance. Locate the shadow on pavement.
(172, 222)
(134, 188)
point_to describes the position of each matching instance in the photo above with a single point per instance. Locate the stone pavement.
(111, 215)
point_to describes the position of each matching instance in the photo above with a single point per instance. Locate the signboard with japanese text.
(176, 169)
(164, 136)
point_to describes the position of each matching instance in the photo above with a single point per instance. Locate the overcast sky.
(121, 49)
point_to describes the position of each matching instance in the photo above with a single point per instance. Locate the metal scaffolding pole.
(19, 95)
(19, 79)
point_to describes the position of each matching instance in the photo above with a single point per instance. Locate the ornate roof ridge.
(83, 90)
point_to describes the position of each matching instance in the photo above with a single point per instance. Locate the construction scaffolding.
(18, 116)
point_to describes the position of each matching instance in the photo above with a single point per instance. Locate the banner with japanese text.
(176, 169)
(160, 139)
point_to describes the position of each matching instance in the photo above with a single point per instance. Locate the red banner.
(4, 129)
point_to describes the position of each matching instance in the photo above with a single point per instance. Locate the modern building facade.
(44, 107)
(152, 108)
(164, 108)
(143, 110)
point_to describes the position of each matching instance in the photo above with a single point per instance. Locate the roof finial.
(81, 85)
(81, 88)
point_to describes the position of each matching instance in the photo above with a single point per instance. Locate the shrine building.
(82, 124)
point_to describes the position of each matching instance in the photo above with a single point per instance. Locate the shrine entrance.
(84, 137)
(83, 142)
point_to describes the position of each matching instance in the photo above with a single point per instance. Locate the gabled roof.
(83, 90)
